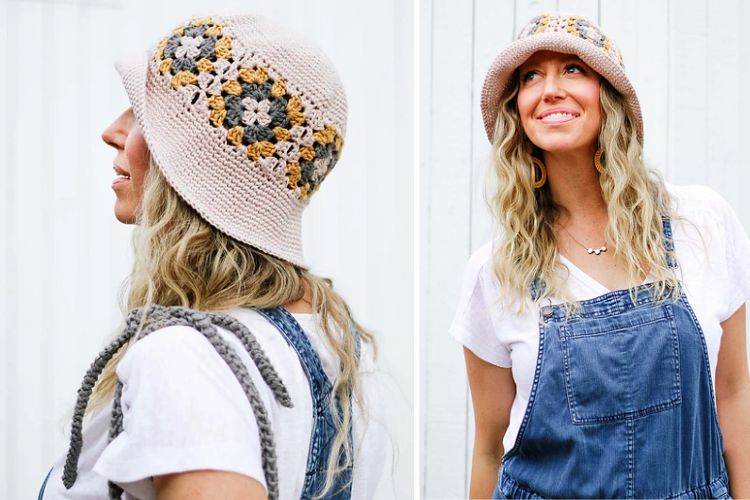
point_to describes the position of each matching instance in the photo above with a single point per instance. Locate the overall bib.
(621, 405)
(323, 429)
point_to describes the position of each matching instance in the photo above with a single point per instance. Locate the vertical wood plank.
(447, 245)
(723, 140)
(30, 211)
(5, 289)
(688, 92)
(426, 82)
(741, 163)
(584, 8)
(639, 28)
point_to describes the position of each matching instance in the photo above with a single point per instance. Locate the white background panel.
(687, 62)
(65, 256)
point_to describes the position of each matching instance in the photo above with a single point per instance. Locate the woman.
(592, 323)
(239, 374)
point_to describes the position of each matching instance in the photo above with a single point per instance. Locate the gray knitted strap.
(162, 317)
(70, 470)
(253, 348)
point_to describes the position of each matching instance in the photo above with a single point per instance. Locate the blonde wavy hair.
(181, 260)
(524, 217)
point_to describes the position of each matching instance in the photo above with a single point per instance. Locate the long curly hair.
(181, 260)
(524, 243)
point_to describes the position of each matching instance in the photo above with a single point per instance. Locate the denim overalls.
(321, 389)
(621, 405)
(323, 430)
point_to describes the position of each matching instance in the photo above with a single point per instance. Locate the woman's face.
(558, 101)
(130, 164)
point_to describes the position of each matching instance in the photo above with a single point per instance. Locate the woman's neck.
(303, 305)
(574, 185)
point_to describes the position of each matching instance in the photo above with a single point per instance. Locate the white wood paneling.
(4, 260)
(640, 29)
(446, 241)
(426, 33)
(65, 257)
(687, 61)
(688, 92)
(723, 89)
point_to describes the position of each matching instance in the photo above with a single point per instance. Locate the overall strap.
(321, 390)
(320, 386)
(668, 241)
(537, 288)
(141, 323)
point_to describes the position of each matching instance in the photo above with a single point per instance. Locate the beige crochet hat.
(245, 119)
(558, 33)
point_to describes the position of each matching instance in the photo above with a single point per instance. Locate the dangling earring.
(536, 161)
(598, 160)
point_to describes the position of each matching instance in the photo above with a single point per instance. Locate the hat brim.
(501, 71)
(133, 72)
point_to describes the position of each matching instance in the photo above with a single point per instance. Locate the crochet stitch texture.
(258, 112)
(245, 120)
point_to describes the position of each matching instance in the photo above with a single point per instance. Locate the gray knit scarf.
(158, 317)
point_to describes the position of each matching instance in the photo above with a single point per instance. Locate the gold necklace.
(589, 250)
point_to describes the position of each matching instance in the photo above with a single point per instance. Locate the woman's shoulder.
(177, 350)
(182, 349)
(480, 262)
(692, 199)
(478, 282)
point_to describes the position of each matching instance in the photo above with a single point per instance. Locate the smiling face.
(130, 164)
(558, 102)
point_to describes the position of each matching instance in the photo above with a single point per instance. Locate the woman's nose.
(553, 88)
(112, 135)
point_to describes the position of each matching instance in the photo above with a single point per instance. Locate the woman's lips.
(121, 176)
(120, 180)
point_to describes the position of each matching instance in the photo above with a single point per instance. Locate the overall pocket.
(620, 366)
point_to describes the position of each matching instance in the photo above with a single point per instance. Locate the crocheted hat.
(558, 33)
(245, 119)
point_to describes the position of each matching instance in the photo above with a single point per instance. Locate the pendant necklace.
(590, 250)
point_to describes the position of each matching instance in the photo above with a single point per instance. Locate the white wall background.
(64, 255)
(690, 64)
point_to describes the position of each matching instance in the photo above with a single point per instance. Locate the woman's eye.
(575, 67)
(527, 76)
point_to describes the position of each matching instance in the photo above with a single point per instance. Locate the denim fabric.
(321, 389)
(44, 486)
(621, 405)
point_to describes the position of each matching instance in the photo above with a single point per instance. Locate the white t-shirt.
(183, 409)
(716, 279)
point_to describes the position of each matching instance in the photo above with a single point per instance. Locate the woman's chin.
(124, 214)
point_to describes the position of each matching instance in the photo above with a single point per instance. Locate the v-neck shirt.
(713, 253)
(587, 281)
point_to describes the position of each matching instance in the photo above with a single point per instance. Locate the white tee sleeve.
(473, 324)
(183, 410)
(737, 258)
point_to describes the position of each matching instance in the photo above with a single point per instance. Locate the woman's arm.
(492, 392)
(733, 403)
(208, 485)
